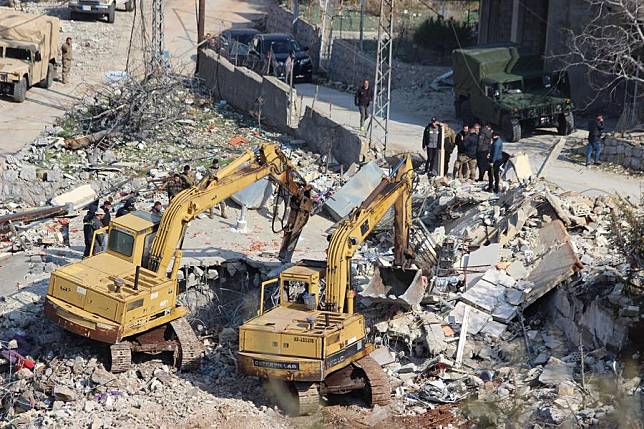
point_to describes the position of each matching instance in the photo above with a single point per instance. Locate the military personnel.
(449, 142)
(174, 186)
(91, 222)
(66, 50)
(187, 179)
(213, 170)
(459, 165)
(431, 139)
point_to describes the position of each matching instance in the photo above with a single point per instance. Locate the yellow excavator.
(127, 296)
(312, 342)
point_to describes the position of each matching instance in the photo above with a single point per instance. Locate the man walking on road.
(364, 96)
(595, 139)
(66, 51)
(431, 140)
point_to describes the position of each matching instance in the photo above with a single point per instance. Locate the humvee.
(98, 8)
(497, 85)
(28, 48)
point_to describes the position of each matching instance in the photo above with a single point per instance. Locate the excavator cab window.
(147, 246)
(296, 290)
(120, 242)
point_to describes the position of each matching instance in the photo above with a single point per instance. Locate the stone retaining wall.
(627, 150)
(349, 65)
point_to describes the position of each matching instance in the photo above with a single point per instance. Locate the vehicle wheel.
(129, 6)
(73, 16)
(111, 14)
(308, 78)
(566, 124)
(47, 81)
(511, 129)
(20, 90)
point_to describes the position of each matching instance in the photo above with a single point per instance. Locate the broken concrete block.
(255, 195)
(555, 372)
(383, 356)
(353, 193)
(477, 318)
(54, 176)
(484, 256)
(517, 270)
(78, 197)
(28, 173)
(101, 376)
(435, 339)
(494, 329)
(64, 393)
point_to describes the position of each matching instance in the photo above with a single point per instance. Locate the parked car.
(268, 54)
(234, 44)
(98, 8)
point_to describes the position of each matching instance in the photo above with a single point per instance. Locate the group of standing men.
(99, 217)
(477, 149)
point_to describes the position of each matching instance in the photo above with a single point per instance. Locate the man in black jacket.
(470, 145)
(364, 96)
(595, 138)
(460, 165)
(431, 141)
(92, 222)
(483, 151)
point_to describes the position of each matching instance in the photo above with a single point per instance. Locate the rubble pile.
(523, 322)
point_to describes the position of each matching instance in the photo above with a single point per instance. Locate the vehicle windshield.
(513, 87)
(243, 38)
(120, 242)
(282, 46)
(17, 53)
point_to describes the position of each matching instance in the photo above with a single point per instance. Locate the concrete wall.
(322, 135)
(242, 88)
(280, 20)
(349, 65)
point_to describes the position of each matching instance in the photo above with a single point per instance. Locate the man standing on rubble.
(483, 150)
(469, 151)
(431, 140)
(187, 179)
(363, 98)
(595, 139)
(460, 164)
(126, 208)
(92, 222)
(107, 211)
(212, 172)
(174, 186)
(448, 146)
(496, 161)
(66, 51)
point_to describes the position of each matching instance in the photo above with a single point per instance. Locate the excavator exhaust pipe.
(396, 285)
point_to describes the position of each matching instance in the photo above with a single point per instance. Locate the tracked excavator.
(127, 295)
(313, 343)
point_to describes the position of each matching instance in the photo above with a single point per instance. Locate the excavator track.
(308, 397)
(188, 355)
(378, 390)
(121, 357)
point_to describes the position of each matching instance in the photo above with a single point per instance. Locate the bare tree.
(610, 46)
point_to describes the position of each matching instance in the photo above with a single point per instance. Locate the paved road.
(406, 129)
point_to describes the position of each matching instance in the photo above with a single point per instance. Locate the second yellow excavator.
(312, 341)
(127, 296)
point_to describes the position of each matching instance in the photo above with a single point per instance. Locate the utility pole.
(379, 122)
(362, 25)
(201, 22)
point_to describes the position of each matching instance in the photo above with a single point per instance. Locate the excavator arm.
(267, 161)
(394, 190)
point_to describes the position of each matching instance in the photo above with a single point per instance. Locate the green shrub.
(443, 35)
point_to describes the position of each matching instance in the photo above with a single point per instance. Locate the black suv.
(269, 52)
(234, 43)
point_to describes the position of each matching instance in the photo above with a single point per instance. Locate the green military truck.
(28, 48)
(497, 85)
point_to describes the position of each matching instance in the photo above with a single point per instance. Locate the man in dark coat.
(126, 208)
(470, 145)
(483, 152)
(92, 222)
(496, 161)
(460, 163)
(595, 138)
(431, 140)
(363, 98)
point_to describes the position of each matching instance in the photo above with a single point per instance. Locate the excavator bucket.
(396, 285)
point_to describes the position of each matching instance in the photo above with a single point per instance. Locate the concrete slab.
(485, 295)
(517, 270)
(555, 372)
(555, 150)
(520, 164)
(504, 312)
(254, 195)
(353, 193)
(78, 197)
(383, 356)
(477, 318)
(484, 256)
(494, 329)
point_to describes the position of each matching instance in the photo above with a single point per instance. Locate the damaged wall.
(324, 136)
(242, 88)
(627, 150)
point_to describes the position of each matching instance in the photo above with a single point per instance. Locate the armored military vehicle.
(28, 48)
(497, 85)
